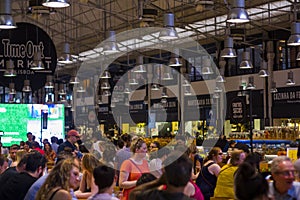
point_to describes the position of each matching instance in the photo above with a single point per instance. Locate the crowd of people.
(133, 169)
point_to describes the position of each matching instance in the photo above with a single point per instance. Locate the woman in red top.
(133, 168)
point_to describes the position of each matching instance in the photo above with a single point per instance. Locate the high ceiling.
(85, 22)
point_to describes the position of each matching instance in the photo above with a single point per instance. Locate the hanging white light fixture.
(250, 85)
(105, 75)
(110, 45)
(12, 89)
(56, 3)
(294, 39)
(246, 62)
(206, 68)
(140, 67)
(26, 87)
(263, 69)
(6, 19)
(37, 61)
(66, 57)
(49, 83)
(273, 87)
(169, 32)
(290, 81)
(10, 71)
(237, 13)
(228, 51)
(175, 61)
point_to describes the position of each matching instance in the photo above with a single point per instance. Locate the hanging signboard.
(20, 45)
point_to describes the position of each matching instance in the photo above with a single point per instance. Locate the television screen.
(18, 119)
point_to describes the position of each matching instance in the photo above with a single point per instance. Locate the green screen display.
(18, 119)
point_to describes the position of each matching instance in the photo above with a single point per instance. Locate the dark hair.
(63, 155)
(213, 152)
(254, 159)
(53, 139)
(29, 133)
(156, 144)
(103, 172)
(145, 178)
(163, 151)
(34, 161)
(136, 144)
(248, 183)
(178, 169)
(14, 147)
(35, 144)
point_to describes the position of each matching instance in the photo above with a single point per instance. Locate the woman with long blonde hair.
(62, 179)
(87, 184)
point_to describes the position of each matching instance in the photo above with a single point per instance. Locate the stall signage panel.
(20, 45)
(238, 109)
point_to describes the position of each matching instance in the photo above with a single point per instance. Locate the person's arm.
(214, 169)
(123, 180)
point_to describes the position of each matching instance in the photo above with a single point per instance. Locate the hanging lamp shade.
(56, 3)
(140, 67)
(250, 85)
(127, 90)
(164, 93)
(105, 85)
(26, 87)
(175, 61)
(273, 87)
(105, 75)
(133, 81)
(206, 69)
(66, 57)
(263, 69)
(6, 19)
(298, 56)
(62, 90)
(237, 13)
(49, 83)
(167, 76)
(290, 81)
(110, 45)
(186, 83)
(169, 32)
(228, 51)
(74, 80)
(106, 93)
(220, 79)
(10, 71)
(155, 87)
(80, 89)
(12, 89)
(37, 61)
(246, 62)
(187, 91)
(294, 39)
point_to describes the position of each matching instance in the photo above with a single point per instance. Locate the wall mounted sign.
(238, 109)
(286, 102)
(20, 45)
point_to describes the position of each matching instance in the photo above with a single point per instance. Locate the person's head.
(145, 178)
(249, 184)
(177, 169)
(53, 139)
(26, 147)
(73, 136)
(237, 157)
(89, 162)
(20, 154)
(65, 175)
(127, 139)
(29, 136)
(35, 163)
(214, 154)
(47, 147)
(35, 144)
(45, 141)
(13, 151)
(254, 159)
(109, 153)
(282, 170)
(297, 168)
(103, 172)
(154, 146)
(22, 143)
(163, 152)
(232, 143)
(3, 163)
(139, 147)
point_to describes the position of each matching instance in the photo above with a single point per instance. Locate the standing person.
(17, 186)
(87, 185)
(62, 179)
(105, 188)
(30, 139)
(284, 185)
(54, 144)
(36, 146)
(72, 137)
(3, 150)
(155, 164)
(224, 186)
(133, 168)
(207, 178)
